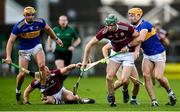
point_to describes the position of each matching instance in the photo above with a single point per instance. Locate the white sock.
(18, 91)
(171, 93)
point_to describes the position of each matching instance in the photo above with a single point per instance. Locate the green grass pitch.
(93, 87)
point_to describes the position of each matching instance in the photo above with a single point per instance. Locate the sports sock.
(170, 92)
(42, 88)
(18, 91)
(125, 89)
(133, 98)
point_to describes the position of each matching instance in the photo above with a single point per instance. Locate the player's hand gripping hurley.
(75, 87)
(17, 66)
(89, 66)
(37, 76)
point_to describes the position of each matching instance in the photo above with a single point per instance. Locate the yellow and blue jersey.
(29, 34)
(152, 44)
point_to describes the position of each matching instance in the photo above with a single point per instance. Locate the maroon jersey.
(120, 38)
(54, 82)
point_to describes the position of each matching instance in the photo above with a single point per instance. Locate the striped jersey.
(29, 34)
(152, 44)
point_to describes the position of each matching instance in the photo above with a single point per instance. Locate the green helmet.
(111, 19)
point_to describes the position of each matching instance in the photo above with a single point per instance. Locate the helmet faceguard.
(111, 19)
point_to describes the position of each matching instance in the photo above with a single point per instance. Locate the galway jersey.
(29, 34)
(54, 82)
(120, 38)
(151, 45)
(67, 35)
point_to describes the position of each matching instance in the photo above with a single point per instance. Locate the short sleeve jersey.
(120, 38)
(54, 82)
(29, 34)
(151, 45)
(67, 35)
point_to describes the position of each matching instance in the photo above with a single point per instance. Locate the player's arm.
(105, 50)
(69, 68)
(137, 51)
(9, 46)
(49, 44)
(27, 92)
(49, 30)
(139, 39)
(74, 44)
(165, 41)
(87, 50)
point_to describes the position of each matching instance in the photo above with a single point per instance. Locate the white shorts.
(156, 58)
(126, 59)
(30, 52)
(58, 96)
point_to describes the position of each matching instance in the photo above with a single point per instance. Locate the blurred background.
(87, 17)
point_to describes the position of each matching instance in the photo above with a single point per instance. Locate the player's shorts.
(58, 96)
(156, 58)
(63, 55)
(125, 59)
(30, 52)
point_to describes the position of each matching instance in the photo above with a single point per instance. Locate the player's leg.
(118, 75)
(135, 86)
(153, 78)
(147, 68)
(50, 100)
(124, 80)
(111, 70)
(23, 62)
(39, 56)
(125, 86)
(159, 75)
(68, 97)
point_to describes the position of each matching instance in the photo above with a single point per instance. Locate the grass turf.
(93, 87)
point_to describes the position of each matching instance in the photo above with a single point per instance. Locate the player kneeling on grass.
(134, 73)
(55, 91)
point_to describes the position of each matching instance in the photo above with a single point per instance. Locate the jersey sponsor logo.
(120, 40)
(30, 35)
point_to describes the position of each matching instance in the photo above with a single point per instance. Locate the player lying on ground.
(28, 32)
(134, 73)
(55, 91)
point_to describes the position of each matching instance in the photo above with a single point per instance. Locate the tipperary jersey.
(54, 82)
(28, 34)
(151, 45)
(120, 38)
